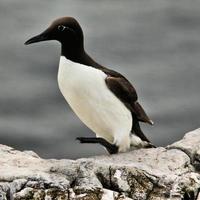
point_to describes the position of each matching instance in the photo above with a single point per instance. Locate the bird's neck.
(78, 55)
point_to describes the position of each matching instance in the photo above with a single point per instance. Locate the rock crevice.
(143, 174)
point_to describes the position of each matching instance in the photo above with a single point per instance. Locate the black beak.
(39, 38)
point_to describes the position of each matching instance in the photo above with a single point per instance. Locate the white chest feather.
(85, 90)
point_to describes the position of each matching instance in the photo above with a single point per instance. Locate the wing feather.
(123, 89)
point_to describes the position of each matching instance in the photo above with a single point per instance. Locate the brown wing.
(123, 89)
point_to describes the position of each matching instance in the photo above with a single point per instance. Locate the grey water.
(154, 43)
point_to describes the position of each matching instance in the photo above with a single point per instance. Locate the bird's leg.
(111, 148)
(138, 132)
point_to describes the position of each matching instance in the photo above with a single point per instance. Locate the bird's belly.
(85, 90)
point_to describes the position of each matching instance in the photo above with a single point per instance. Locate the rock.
(190, 144)
(170, 173)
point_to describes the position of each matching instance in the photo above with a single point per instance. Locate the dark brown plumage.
(69, 33)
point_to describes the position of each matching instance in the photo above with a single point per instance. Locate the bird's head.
(66, 30)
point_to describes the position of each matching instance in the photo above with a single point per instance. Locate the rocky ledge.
(154, 174)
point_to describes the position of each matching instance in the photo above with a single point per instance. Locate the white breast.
(85, 90)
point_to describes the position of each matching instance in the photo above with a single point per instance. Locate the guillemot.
(103, 99)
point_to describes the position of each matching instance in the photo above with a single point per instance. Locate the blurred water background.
(155, 43)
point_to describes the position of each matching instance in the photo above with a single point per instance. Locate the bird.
(103, 99)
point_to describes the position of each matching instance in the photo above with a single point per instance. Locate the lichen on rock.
(170, 173)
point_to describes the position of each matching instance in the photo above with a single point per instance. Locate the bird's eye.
(61, 28)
